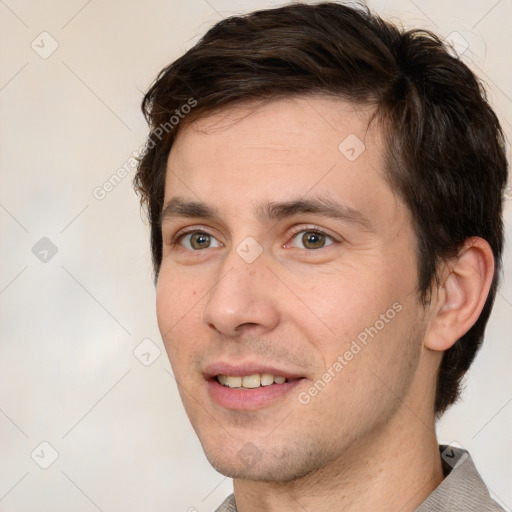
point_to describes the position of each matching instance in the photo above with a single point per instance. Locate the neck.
(395, 469)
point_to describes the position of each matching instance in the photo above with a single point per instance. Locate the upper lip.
(248, 368)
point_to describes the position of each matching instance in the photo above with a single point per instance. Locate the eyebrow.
(271, 210)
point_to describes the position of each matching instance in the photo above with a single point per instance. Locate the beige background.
(69, 325)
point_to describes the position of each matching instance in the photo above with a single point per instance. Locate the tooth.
(251, 381)
(233, 382)
(267, 379)
(279, 380)
(222, 379)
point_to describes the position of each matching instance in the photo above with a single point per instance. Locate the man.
(325, 198)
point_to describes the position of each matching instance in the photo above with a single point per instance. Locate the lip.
(249, 399)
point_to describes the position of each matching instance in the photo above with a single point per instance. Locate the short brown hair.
(445, 147)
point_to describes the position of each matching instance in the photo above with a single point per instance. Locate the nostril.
(246, 326)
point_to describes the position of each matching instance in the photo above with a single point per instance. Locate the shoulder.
(462, 490)
(228, 505)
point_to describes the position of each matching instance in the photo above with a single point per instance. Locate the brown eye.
(197, 240)
(312, 239)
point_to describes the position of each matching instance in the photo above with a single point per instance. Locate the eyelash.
(309, 229)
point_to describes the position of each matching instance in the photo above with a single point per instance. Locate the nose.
(242, 299)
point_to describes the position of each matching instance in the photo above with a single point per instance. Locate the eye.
(312, 239)
(196, 240)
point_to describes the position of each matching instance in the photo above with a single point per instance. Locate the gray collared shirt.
(462, 490)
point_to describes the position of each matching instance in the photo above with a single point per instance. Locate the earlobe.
(461, 294)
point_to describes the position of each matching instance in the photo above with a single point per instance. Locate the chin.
(250, 464)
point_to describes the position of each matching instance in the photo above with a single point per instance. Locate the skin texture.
(366, 438)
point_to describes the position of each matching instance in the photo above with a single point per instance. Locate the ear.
(461, 294)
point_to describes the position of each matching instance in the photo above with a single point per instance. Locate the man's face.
(260, 284)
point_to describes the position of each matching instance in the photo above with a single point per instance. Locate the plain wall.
(70, 321)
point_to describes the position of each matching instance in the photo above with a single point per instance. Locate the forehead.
(291, 127)
(293, 147)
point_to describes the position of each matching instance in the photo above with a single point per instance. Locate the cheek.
(176, 308)
(343, 304)
(360, 332)
(178, 291)
(365, 381)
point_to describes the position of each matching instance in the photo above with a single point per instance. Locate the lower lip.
(249, 399)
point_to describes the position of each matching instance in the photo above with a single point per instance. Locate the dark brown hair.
(445, 147)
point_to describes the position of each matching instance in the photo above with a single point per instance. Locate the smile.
(250, 381)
